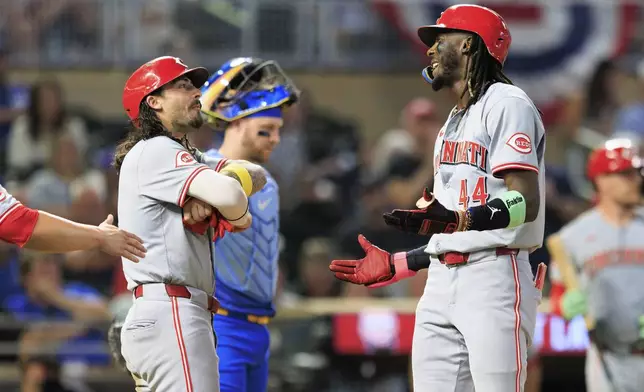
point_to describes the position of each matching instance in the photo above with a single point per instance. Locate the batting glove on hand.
(430, 218)
(573, 304)
(378, 268)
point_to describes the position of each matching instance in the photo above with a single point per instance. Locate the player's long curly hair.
(148, 126)
(483, 71)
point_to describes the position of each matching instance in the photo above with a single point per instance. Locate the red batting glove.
(221, 226)
(378, 268)
(199, 227)
(217, 222)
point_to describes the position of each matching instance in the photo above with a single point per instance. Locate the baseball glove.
(430, 218)
(114, 342)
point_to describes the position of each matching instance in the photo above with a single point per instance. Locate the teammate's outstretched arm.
(39, 230)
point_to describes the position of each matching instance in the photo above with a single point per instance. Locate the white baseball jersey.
(153, 186)
(503, 130)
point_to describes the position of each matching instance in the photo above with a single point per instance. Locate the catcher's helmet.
(243, 86)
(476, 19)
(152, 76)
(614, 156)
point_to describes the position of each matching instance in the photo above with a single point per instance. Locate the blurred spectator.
(62, 316)
(418, 125)
(149, 26)
(58, 30)
(602, 99)
(317, 162)
(594, 114)
(629, 121)
(210, 24)
(33, 134)
(315, 278)
(41, 374)
(405, 155)
(367, 220)
(66, 176)
(562, 205)
(9, 271)
(11, 106)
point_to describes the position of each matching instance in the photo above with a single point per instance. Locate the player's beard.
(193, 123)
(196, 122)
(448, 63)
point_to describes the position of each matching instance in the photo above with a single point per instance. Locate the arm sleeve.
(211, 159)
(515, 130)
(17, 222)
(166, 170)
(222, 192)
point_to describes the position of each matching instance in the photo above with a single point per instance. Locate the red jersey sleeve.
(17, 224)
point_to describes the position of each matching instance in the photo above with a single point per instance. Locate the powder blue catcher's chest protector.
(246, 262)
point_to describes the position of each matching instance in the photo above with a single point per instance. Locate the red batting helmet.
(482, 21)
(152, 76)
(614, 156)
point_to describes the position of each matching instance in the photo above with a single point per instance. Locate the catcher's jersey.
(609, 262)
(153, 185)
(246, 262)
(503, 130)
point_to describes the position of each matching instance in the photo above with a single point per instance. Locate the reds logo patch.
(184, 158)
(520, 142)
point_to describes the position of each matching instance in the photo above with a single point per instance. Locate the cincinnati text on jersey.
(463, 152)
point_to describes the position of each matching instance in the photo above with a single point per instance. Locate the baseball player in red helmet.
(485, 214)
(598, 270)
(167, 338)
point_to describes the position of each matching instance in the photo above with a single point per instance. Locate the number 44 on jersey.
(479, 194)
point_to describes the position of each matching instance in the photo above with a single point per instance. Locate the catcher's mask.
(244, 86)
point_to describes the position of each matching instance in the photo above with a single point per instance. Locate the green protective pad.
(515, 202)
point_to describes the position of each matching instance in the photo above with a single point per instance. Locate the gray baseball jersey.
(503, 130)
(475, 322)
(153, 185)
(609, 261)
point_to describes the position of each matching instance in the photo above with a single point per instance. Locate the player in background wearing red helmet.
(39, 230)
(485, 214)
(598, 269)
(167, 338)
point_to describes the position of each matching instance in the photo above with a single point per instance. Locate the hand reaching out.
(117, 242)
